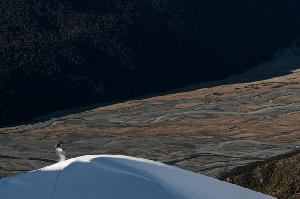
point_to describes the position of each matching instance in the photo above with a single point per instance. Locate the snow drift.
(116, 177)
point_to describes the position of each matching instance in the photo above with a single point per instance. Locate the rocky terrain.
(279, 178)
(207, 128)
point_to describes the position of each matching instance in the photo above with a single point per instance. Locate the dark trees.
(58, 54)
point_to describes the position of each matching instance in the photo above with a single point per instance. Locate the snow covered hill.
(116, 177)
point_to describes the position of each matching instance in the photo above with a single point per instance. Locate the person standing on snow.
(58, 145)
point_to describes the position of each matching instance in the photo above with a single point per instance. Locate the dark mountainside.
(278, 176)
(58, 54)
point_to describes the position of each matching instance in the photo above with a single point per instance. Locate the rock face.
(207, 128)
(62, 54)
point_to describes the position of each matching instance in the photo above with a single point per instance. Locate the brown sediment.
(280, 102)
(123, 105)
(156, 103)
(282, 129)
(183, 127)
(202, 136)
(187, 105)
(38, 136)
(76, 138)
(67, 128)
(57, 131)
(162, 128)
(252, 95)
(178, 148)
(286, 137)
(10, 128)
(290, 81)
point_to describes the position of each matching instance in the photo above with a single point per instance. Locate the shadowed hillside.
(278, 177)
(58, 54)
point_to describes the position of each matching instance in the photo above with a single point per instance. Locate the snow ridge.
(116, 177)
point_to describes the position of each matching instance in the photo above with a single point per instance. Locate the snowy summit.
(118, 177)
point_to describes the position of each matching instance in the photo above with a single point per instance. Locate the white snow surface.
(118, 177)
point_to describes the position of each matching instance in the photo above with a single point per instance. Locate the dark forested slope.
(58, 54)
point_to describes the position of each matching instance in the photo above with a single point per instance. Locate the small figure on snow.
(61, 152)
(58, 145)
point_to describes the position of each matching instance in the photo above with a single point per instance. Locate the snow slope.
(116, 177)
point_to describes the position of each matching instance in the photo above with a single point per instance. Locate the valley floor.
(207, 128)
